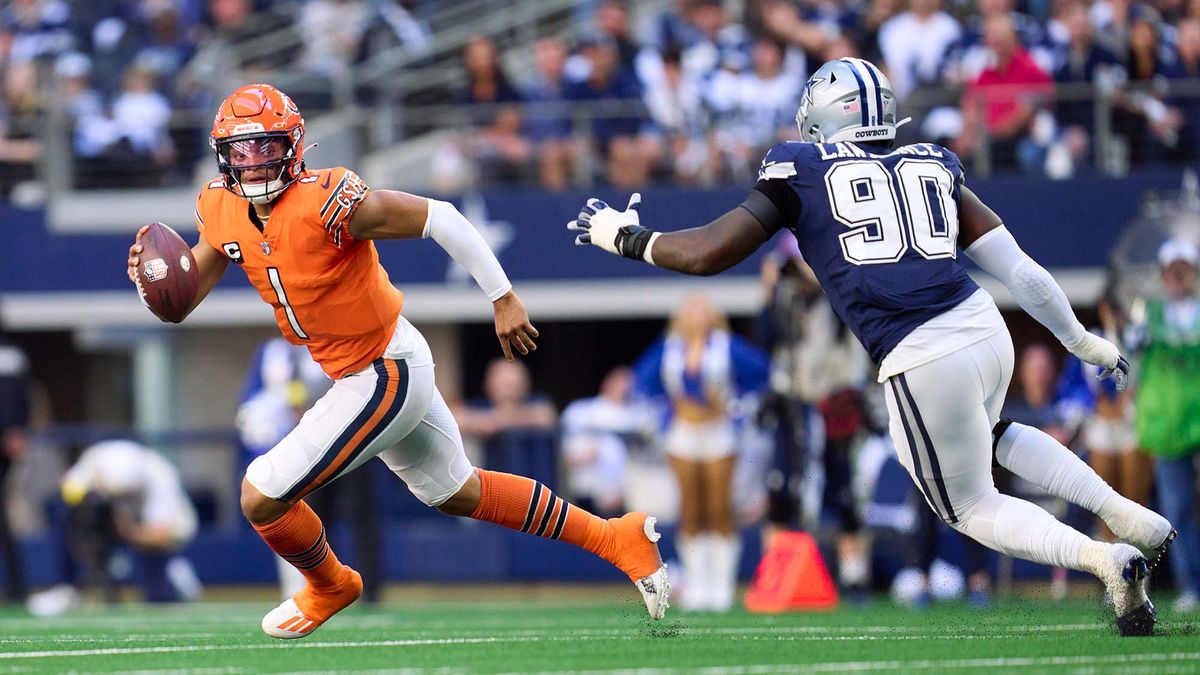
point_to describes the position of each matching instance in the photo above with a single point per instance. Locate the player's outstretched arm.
(210, 265)
(705, 250)
(984, 238)
(388, 214)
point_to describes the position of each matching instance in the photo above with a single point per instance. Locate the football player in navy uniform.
(881, 227)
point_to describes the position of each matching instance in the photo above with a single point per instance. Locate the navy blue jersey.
(880, 230)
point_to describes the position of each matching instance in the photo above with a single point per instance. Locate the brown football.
(167, 274)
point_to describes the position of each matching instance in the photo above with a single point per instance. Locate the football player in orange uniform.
(304, 239)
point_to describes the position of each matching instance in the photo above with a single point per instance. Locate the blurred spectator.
(513, 424)
(167, 47)
(486, 81)
(1150, 125)
(14, 428)
(782, 21)
(756, 109)
(122, 495)
(701, 368)
(20, 117)
(710, 38)
(612, 19)
(671, 29)
(112, 38)
(142, 115)
(679, 119)
(332, 31)
(1168, 406)
(93, 132)
(498, 145)
(1081, 60)
(34, 29)
(913, 43)
(228, 23)
(396, 24)
(599, 436)
(840, 47)
(1113, 20)
(967, 58)
(1004, 102)
(1188, 68)
(1033, 404)
(618, 114)
(548, 122)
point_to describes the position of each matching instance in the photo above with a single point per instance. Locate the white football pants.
(941, 416)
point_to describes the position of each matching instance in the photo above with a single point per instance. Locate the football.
(167, 275)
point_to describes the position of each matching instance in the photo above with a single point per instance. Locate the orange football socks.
(299, 538)
(526, 505)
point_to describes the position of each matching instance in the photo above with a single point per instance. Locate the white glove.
(618, 232)
(1097, 351)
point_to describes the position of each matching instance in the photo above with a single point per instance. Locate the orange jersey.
(328, 289)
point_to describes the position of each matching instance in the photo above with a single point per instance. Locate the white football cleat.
(287, 622)
(656, 588)
(1123, 575)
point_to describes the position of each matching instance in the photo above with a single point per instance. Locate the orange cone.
(791, 576)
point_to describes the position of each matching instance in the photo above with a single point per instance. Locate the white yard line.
(1187, 658)
(782, 633)
(803, 634)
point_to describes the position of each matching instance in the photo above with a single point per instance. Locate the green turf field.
(561, 635)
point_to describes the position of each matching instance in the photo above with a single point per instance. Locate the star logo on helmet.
(808, 89)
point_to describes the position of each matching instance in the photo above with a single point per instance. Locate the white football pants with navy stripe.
(941, 416)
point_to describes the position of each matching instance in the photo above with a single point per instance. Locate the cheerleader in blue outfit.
(700, 367)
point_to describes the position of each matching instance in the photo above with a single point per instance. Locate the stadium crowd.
(689, 91)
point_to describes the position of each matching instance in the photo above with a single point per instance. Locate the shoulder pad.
(780, 161)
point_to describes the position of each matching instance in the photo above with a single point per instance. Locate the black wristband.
(632, 241)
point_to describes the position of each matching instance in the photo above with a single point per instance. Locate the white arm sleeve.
(462, 241)
(998, 254)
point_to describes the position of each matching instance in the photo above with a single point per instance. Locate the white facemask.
(262, 192)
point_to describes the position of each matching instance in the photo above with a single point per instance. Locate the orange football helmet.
(258, 137)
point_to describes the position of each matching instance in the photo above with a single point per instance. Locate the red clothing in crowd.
(1004, 87)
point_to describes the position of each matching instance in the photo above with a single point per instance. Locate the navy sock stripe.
(562, 520)
(533, 504)
(315, 563)
(554, 501)
(310, 550)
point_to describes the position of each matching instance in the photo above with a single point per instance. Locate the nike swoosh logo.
(325, 185)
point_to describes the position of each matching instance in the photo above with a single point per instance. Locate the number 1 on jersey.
(281, 295)
(861, 197)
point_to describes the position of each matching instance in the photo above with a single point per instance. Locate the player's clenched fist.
(512, 326)
(135, 252)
